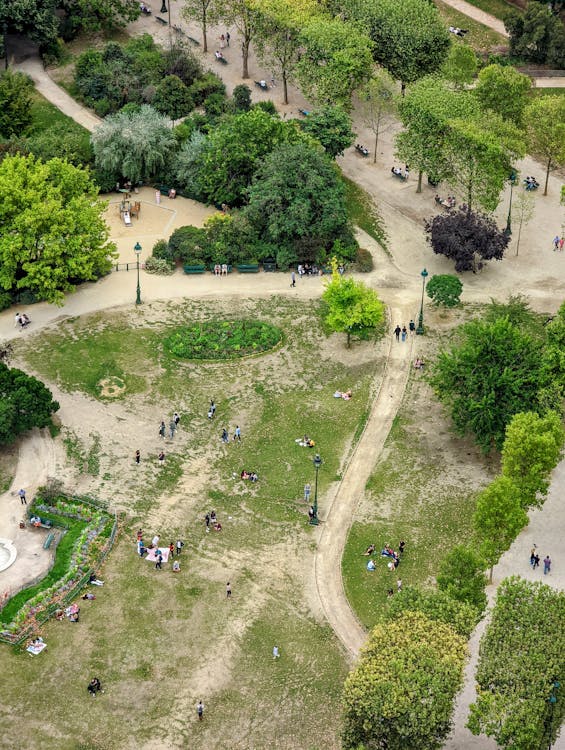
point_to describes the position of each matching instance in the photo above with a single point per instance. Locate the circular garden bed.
(223, 339)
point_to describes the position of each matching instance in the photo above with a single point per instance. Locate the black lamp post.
(512, 180)
(552, 700)
(314, 518)
(137, 250)
(420, 329)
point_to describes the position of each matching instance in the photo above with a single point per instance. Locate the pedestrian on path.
(176, 418)
(162, 429)
(397, 332)
(225, 436)
(536, 561)
(200, 710)
(307, 491)
(228, 590)
(533, 556)
(222, 41)
(137, 457)
(561, 243)
(22, 494)
(207, 519)
(412, 327)
(292, 279)
(172, 428)
(158, 197)
(161, 458)
(276, 654)
(159, 561)
(546, 565)
(171, 549)
(556, 242)
(180, 545)
(228, 37)
(237, 433)
(404, 333)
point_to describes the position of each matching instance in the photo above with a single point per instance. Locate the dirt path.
(478, 15)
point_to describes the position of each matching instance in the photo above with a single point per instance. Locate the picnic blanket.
(36, 649)
(152, 557)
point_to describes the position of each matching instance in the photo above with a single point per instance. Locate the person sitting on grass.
(176, 566)
(370, 549)
(217, 526)
(88, 595)
(95, 581)
(94, 686)
(418, 364)
(371, 565)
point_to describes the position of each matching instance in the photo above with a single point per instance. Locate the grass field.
(481, 38)
(496, 8)
(363, 213)
(159, 641)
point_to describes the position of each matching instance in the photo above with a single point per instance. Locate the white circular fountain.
(8, 553)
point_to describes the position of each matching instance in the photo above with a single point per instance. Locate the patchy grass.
(8, 464)
(363, 212)
(480, 38)
(497, 8)
(45, 116)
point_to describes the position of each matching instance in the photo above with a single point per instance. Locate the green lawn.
(481, 38)
(496, 8)
(363, 213)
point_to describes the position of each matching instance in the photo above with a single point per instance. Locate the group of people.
(251, 475)
(403, 332)
(236, 434)
(362, 149)
(308, 269)
(345, 395)
(221, 269)
(558, 242)
(212, 522)
(305, 442)
(219, 55)
(535, 561)
(145, 9)
(418, 363)
(449, 202)
(22, 320)
(388, 552)
(530, 183)
(399, 172)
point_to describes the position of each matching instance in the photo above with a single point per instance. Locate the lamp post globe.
(420, 328)
(137, 250)
(314, 520)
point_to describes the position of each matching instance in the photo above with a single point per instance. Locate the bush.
(159, 266)
(162, 250)
(226, 339)
(286, 257)
(437, 605)
(5, 300)
(462, 577)
(444, 289)
(189, 242)
(203, 87)
(363, 261)
(215, 105)
(102, 107)
(242, 98)
(267, 106)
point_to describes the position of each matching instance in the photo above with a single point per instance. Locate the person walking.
(207, 519)
(399, 585)
(536, 561)
(222, 41)
(200, 710)
(162, 429)
(158, 562)
(158, 197)
(161, 458)
(397, 331)
(228, 590)
(561, 243)
(137, 457)
(546, 565)
(228, 37)
(213, 408)
(292, 279)
(533, 556)
(225, 436)
(176, 418)
(172, 428)
(276, 654)
(412, 327)
(180, 545)
(404, 333)
(237, 433)
(307, 491)
(171, 549)
(22, 494)
(556, 242)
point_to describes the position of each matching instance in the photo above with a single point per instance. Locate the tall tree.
(204, 12)
(352, 307)
(335, 61)
(242, 14)
(498, 519)
(172, 98)
(531, 450)
(492, 373)
(52, 234)
(400, 693)
(331, 126)
(26, 403)
(410, 38)
(461, 576)
(521, 665)
(504, 90)
(15, 103)
(545, 123)
(378, 103)
(278, 40)
(460, 66)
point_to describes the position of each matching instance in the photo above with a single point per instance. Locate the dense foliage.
(331, 126)
(52, 232)
(436, 605)
(25, 403)
(444, 289)
(15, 103)
(537, 35)
(522, 655)
(352, 308)
(461, 577)
(400, 694)
(227, 339)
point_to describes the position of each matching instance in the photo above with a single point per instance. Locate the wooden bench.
(248, 267)
(194, 41)
(269, 265)
(48, 541)
(41, 525)
(162, 20)
(221, 60)
(361, 150)
(188, 269)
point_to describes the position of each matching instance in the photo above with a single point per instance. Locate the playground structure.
(127, 211)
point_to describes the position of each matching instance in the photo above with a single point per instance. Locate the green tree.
(33, 18)
(553, 363)
(521, 656)
(492, 373)
(52, 232)
(279, 40)
(545, 123)
(531, 450)
(98, 15)
(503, 90)
(172, 98)
(532, 33)
(498, 518)
(133, 144)
(242, 14)
(204, 13)
(378, 103)
(188, 164)
(461, 576)
(332, 127)
(436, 605)
(335, 61)
(235, 151)
(352, 307)
(410, 38)
(297, 201)
(425, 112)
(444, 289)
(400, 694)
(523, 210)
(460, 66)
(242, 98)
(15, 103)
(26, 403)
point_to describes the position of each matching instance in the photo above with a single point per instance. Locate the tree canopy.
(460, 66)
(436, 605)
(25, 403)
(331, 126)
(400, 694)
(15, 103)
(504, 90)
(378, 103)
(352, 308)
(491, 374)
(52, 233)
(545, 122)
(461, 576)
(522, 655)
(444, 289)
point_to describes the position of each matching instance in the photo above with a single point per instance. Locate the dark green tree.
(15, 103)
(332, 127)
(172, 98)
(242, 98)
(444, 289)
(25, 403)
(461, 576)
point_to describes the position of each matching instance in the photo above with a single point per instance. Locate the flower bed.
(225, 339)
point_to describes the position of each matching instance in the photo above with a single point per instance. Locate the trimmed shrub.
(159, 266)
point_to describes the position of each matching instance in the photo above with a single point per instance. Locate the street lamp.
(420, 329)
(512, 180)
(314, 517)
(164, 7)
(552, 700)
(137, 250)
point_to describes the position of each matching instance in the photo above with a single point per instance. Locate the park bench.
(269, 265)
(192, 269)
(161, 20)
(248, 267)
(361, 149)
(48, 541)
(194, 41)
(400, 176)
(178, 29)
(213, 265)
(222, 60)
